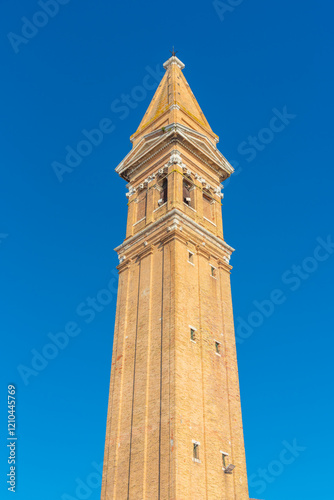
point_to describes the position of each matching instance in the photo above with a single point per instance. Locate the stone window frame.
(213, 271)
(192, 255)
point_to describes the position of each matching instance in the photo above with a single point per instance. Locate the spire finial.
(173, 52)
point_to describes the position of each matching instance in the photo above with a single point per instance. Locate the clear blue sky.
(246, 64)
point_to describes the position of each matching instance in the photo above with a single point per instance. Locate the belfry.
(174, 426)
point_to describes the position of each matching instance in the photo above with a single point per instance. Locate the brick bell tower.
(174, 426)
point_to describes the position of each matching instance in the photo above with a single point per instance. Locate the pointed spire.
(173, 102)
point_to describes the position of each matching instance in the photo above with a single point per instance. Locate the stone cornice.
(198, 144)
(123, 266)
(174, 60)
(147, 250)
(172, 222)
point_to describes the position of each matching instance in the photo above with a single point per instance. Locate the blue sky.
(247, 62)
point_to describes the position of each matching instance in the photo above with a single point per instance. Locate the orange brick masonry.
(168, 391)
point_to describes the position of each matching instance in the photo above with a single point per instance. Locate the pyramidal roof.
(173, 102)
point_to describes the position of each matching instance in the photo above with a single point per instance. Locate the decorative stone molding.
(175, 159)
(187, 223)
(195, 142)
(218, 192)
(145, 183)
(132, 191)
(174, 60)
(208, 187)
(162, 170)
(151, 178)
(223, 264)
(204, 183)
(187, 171)
(175, 225)
(201, 250)
(147, 250)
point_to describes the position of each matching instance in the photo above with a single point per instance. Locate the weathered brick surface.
(167, 391)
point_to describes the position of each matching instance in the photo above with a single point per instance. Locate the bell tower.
(174, 426)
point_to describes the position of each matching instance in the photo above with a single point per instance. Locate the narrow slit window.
(163, 192)
(186, 193)
(192, 335)
(224, 458)
(217, 347)
(190, 257)
(213, 272)
(196, 451)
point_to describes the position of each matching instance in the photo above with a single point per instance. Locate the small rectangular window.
(164, 190)
(224, 458)
(213, 272)
(217, 347)
(192, 334)
(196, 451)
(190, 257)
(186, 193)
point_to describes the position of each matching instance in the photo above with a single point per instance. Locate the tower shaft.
(174, 426)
